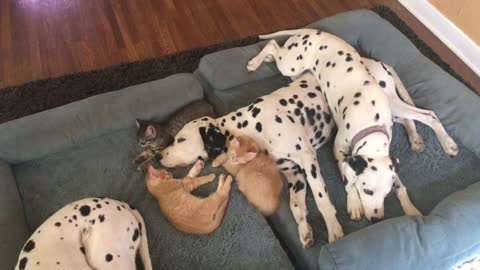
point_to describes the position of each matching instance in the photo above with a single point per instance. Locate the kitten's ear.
(152, 172)
(234, 143)
(150, 132)
(249, 156)
(252, 148)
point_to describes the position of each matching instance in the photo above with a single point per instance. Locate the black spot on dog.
(255, 112)
(95, 200)
(328, 64)
(250, 107)
(334, 64)
(118, 208)
(348, 125)
(373, 168)
(368, 191)
(136, 233)
(300, 104)
(23, 263)
(204, 119)
(239, 114)
(382, 84)
(349, 58)
(298, 186)
(356, 102)
(58, 224)
(327, 117)
(328, 84)
(340, 101)
(298, 147)
(349, 69)
(297, 112)
(29, 246)
(318, 116)
(366, 82)
(318, 88)
(377, 117)
(320, 194)
(101, 218)
(340, 52)
(99, 206)
(109, 257)
(373, 102)
(304, 85)
(313, 171)
(357, 163)
(370, 159)
(302, 120)
(291, 101)
(322, 139)
(311, 94)
(82, 249)
(233, 118)
(278, 119)
(283, 102)
(291, 119)
(258, 100)
(293, 69)
(258, 127)
(358, 94)
(85, 210)
(239, 125)
(179, 140)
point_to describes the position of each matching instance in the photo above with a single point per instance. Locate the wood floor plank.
(49, 38)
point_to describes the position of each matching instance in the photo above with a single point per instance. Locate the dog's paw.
(450, 147)
(254, 64)
(306, 235)
(335, 231)
(354, 207)
(418, 145)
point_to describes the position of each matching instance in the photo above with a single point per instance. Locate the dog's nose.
(375, 219)
(157, 157)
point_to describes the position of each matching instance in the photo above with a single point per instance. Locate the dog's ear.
(213, 140)
(356, 163)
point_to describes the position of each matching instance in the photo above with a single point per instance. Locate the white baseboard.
(446, 31)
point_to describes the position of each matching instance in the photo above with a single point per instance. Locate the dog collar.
(367, 131)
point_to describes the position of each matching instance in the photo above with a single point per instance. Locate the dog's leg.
(354, 205)
(143, 249)
(401, 192)
(309, 165)
(268, 53)
(402, 110)
(297, 190)
(196, 169)
(401, 94)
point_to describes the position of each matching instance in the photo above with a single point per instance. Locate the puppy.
(188, 213)
(255, 171)
(88, 234)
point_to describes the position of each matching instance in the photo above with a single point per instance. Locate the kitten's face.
(152, 135)
(242, 150)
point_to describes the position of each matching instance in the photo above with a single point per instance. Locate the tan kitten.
(256, 173)
(188, 213)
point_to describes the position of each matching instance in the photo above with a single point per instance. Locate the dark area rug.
(37, 96)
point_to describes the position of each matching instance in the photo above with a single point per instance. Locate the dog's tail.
(288, 33)
(143, 250)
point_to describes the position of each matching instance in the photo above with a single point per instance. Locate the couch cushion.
(39, 134)
(102, 167)
(449, 234)
(13, 229)
(430, 176)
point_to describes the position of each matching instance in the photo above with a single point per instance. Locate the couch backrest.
(50, 131)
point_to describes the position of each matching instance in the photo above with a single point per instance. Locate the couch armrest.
(13, 228)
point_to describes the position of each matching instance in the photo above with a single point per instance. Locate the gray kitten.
(154, 136)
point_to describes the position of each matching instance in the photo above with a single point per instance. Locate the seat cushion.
(429, 177)
(102, 167)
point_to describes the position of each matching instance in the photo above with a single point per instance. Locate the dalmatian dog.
(362, 95)
(88, 234)
(291, 124)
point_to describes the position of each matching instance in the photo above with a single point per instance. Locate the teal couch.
(84, 149)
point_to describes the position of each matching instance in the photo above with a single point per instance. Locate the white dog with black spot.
(361, 93)
(88, 234)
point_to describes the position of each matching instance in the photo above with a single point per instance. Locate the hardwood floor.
(48, 38)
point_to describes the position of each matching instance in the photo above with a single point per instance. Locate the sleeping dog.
(361, 94)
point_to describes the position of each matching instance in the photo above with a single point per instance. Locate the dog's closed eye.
(179, 140)
(368, 191)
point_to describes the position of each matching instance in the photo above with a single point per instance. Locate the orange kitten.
(256, 173)
(188, 213)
